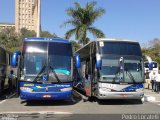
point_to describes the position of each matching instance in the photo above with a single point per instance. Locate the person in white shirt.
(147, 79)
(153, 78)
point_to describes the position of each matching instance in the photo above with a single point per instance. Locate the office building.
(26, 14)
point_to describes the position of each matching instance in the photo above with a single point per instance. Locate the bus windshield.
(120, 48)
(60, 60)
(112, 73)
(47, 58)
(34, 58)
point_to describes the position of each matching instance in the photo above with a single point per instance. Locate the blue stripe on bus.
(133, 87)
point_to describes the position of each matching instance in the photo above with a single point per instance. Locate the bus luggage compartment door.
(88, 86)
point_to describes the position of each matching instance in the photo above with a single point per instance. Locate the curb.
(148, 98)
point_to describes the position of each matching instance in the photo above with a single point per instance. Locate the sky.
(137, 20)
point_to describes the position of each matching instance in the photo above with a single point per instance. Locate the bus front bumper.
(46, 95)
(121, 95)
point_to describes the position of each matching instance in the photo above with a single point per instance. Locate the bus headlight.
(66, 89)
(26, 89)
(105, 89)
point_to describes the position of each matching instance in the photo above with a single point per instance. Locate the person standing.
(158, 82)
(153, 80)
(147, 79)
(10, 81)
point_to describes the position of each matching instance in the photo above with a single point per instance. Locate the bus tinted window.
(34, 47)
(60, 49)
(120, 48)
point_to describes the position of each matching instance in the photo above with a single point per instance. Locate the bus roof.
(116, 40)
(109, 40)
(61, 40)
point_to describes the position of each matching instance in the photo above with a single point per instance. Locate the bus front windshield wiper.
(55, 74)
(39, 74)
(130, 75)
(116, 75)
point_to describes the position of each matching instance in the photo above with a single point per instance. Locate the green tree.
(82, 19)
(27, 33)
(75, 45)
(47, 34)
(9, 38)
(153, 50)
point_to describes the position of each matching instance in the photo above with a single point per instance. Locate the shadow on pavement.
(3, 94)
(119, 102)
(74, 100)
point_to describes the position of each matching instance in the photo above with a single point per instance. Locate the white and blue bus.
(154, 67)
(110, 69)
(45, 69)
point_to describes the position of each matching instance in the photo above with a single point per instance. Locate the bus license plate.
(124, 95)
(46, 96)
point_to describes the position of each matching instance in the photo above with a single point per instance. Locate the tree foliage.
(153, 50)
(27, 33)
(82, 20)
(12, 41)
(9, 38)
(47, 34)
(75, 45)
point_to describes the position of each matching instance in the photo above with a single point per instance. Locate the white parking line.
(35, 112)
(156, 101)
(2, 101)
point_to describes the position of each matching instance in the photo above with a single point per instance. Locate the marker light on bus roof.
(33, 49)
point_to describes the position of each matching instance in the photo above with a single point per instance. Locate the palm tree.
(82, 19)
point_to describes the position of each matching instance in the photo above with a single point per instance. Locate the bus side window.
(83, 69)
(88, 69)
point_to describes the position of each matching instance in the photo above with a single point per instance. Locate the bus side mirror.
(78, 61)
(98, 61)
(150, 65)
(14, 61)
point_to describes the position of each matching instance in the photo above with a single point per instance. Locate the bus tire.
(139, 101)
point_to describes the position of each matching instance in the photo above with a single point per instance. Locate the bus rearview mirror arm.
(78, 61)
(98, 61)
(14, 61)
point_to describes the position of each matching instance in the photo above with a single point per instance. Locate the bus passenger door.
(87, 78)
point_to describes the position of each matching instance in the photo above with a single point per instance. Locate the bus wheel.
(138, 101)
(73, 99)
(0, 89)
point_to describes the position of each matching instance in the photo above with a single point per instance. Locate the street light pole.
(39, 18)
